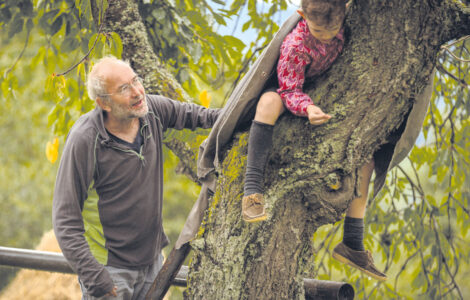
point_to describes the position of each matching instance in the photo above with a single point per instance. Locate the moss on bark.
(389, 54)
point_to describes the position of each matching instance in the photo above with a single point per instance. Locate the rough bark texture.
(123, 18)
(311, 177)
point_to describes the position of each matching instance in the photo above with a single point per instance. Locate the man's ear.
(301, 13)
(103, 104)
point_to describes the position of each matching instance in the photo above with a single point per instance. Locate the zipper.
(110, 143)
(138, 154)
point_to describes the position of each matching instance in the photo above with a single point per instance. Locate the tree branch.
(454, 20)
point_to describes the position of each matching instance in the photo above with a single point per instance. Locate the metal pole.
(56, 262)
(172, 273)
(33, 259)
(324, 289)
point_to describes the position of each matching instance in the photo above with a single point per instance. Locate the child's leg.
(351, 251)
(268, 110)
(353, 236)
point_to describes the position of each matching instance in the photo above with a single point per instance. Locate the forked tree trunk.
(311, 177)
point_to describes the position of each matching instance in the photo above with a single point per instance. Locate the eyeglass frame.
(126, 88)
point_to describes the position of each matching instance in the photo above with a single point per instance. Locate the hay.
(41, 285)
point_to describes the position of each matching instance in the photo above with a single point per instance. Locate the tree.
(393, 47)
(311, 178)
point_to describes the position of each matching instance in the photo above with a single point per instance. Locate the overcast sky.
(234, 28)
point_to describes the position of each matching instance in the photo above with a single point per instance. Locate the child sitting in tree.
(308, 50)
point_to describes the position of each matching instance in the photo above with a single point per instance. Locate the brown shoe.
(361, 260)
(253, 208)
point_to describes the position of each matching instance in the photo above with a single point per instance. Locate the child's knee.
(270, 103)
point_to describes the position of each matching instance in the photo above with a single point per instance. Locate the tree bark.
(311, 177)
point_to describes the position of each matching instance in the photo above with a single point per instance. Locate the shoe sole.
(254, 219)
(344, 260)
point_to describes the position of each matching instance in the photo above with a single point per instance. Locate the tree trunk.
(389, 54)
(311, 177)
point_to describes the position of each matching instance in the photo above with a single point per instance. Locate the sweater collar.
(98, 120)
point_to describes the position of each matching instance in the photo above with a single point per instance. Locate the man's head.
(324, 17)
(115, 87)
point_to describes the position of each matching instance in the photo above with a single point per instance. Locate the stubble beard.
(125, 113)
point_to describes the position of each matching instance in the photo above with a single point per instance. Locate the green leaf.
(69, 44)
(26, 8)
(50, 15)
(234, 42)
(5, 14)
(56, 25)
(116, 48)
(15, 26)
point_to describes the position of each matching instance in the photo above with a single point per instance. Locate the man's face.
(127, 95)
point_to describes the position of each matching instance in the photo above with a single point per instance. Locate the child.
(309, 50)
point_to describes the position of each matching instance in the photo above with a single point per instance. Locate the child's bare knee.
(270, 102)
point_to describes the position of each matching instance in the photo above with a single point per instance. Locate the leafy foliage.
(419, 225)
(183, 34)
(418, 228)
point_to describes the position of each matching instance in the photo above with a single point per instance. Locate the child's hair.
(324, 12)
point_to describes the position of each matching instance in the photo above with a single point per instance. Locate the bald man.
(107, 207)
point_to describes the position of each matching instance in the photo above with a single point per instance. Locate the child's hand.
(316, 116)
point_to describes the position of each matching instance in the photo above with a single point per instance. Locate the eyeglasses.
(125, 89)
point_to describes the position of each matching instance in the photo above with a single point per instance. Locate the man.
(107, 208)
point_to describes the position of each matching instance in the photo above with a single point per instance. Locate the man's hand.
(316, 116)
(113, 292)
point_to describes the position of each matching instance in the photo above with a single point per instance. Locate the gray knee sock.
(353, 235)
(259, 147)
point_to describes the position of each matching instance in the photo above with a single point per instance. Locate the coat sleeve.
(74, 176)
(179, 115)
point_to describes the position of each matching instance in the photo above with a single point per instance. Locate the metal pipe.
(34, 259)
(324, 289)
(56, 262)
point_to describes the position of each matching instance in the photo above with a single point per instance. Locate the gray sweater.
(107, 207)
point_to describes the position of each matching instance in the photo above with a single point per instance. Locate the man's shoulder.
(85, 127)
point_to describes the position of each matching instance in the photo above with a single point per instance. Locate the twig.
(19, 56)
(414, 185)
(446, 48)
(89, 51)
(442, 259)
(461, 81)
